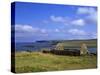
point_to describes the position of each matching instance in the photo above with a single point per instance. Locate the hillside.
(72, 43)
(78, 43)
(39, 62)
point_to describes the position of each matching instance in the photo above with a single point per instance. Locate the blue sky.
(36, 21)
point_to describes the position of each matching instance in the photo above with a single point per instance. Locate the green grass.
(37, 62)
(76, 43)
(89, 43)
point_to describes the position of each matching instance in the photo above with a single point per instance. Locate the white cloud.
(81, 34)
(91, 13)
(85, 16)
(94, 35)
(92, 17)
(82, 10)
(78, 22)
(43, 31)
(77, 32)
(28, 30)
(60, 19)
(85, 10)
(57, 19)
(57, 30)
(25, 28)
(67, 21)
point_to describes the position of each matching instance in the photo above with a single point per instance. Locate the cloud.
(43, 31)
(92, 17)
(78, 22)
(81, 34)
(57, 30)
(60, 19)
(89, 12)
(25, 28)
(86, 10)
(29, 31)
(94, 35)
(82, 10)
(57, 18)
(85, 16)
(67, 21)
(76, 32)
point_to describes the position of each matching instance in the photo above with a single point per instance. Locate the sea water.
(36, 46)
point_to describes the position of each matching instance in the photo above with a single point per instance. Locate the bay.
(36, 46)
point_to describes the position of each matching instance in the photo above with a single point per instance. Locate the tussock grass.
(37, 62)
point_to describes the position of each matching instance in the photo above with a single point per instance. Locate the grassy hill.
(73, 43)
(40, 62)
(78, 43)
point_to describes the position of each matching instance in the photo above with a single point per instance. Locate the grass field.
(78, 43)
(37, 62)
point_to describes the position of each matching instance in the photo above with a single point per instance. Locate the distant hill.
(72, 43)
(78, 43)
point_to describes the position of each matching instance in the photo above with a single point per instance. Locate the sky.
(36, 21)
